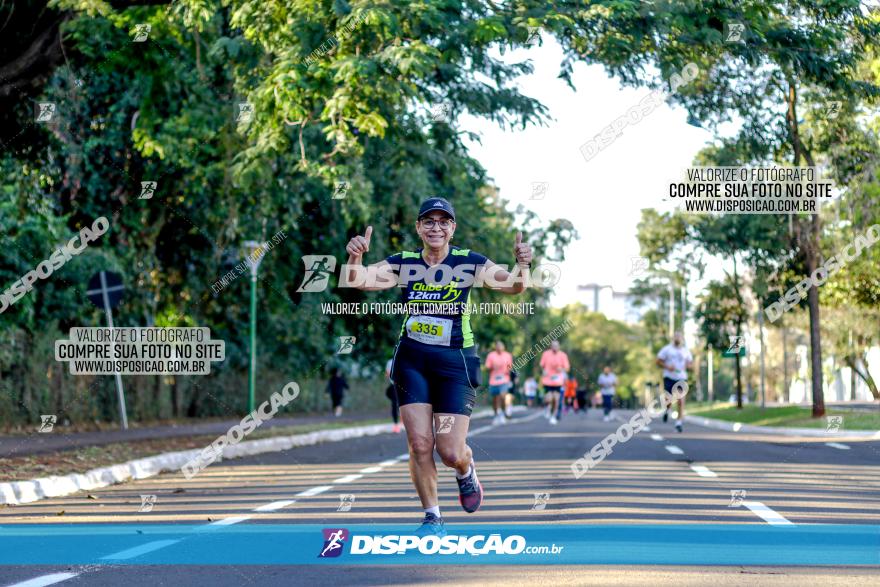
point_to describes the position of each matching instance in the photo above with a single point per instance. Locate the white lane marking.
(44, 580)
(703, 471)
(389, 463)
(275, 505)
(369, 470)
(403, 457)
(230, 521)
(476, 431)
(350, 478)
(656, 437)
(646, 429)
(139, 550)
(314, 491)
(766, 514)
(837, 445)
(674, 449)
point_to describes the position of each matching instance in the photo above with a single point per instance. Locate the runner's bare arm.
(509, 282)
(356, 247)
(661, 363)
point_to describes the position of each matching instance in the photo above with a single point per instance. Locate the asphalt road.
(658, 477)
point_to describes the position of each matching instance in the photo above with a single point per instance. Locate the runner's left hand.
(522, 251)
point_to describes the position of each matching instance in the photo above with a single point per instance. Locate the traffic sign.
(105, 283)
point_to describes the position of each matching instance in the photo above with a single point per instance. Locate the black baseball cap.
(434, 204)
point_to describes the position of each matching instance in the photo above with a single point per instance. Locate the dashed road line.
(703, 471)
(314, 491)
(44, 580)
(275, 505)
(230, 521)
(837, 445)
(768, 515)
(674, 449)
(656, 437)
(350, 478)
(139, 550)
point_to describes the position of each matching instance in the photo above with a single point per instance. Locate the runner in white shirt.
(530, 388)
(675, 360)
(607, 381)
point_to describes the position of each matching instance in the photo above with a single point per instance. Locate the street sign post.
(255, 252)
(105, 291)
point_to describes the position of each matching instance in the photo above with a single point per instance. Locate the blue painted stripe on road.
(269, 544)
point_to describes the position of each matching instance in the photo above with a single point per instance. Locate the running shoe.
(666, 416)
(554, 421)
(678, 425)
(431, 526)
(396, 428)
(508, 413)
(470, 491)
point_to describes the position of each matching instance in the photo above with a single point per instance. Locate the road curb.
(21, 492)
(737, 427)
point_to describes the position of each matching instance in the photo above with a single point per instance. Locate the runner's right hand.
(359, 245)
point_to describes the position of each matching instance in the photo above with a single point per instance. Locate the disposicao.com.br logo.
(478, 544)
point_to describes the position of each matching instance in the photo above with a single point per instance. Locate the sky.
(602, 197)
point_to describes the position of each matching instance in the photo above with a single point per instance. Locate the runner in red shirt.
(499, 363)
(570, 393)
(555, 365)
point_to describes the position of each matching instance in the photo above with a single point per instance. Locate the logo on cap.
(438, 203)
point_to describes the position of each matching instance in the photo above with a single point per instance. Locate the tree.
(166, 110)
(792, 57)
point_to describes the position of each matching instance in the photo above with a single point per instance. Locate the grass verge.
(786, 416)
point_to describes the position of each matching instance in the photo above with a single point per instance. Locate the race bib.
(557, 378)
(498, 380)
(429, 330)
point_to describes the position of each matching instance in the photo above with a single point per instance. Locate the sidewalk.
(41, 443)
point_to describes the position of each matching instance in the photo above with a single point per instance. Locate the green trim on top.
(410, 255)
(403, 326)
(461, 252)
(467, 334)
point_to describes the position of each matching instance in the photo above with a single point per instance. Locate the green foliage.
(167, 110)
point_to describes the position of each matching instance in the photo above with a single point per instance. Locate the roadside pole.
(255, 252)
(105, 291)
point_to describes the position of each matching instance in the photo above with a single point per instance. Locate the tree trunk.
(785, 382)
(812, 254)
(853, 362)
(739, 387)
(807, 234)
(739, 329)
(175, 397)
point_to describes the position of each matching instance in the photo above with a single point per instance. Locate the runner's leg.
(417, 419)
(452, 445)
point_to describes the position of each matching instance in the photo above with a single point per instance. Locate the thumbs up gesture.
(522, 251)
(358, 245)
